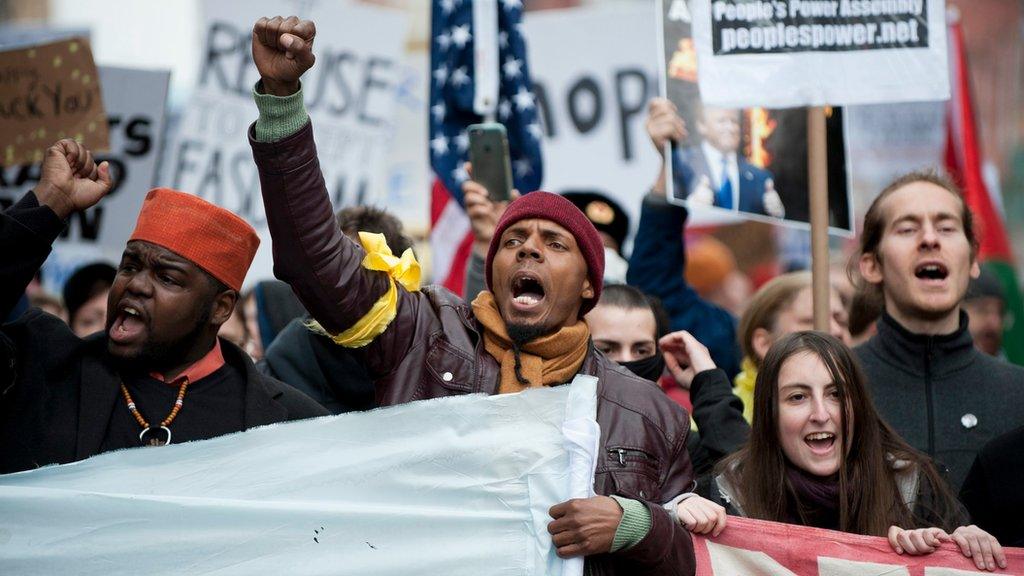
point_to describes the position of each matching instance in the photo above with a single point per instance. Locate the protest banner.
(350, 96)
(135, 116)
(758, 547)
(765, 149)
(458, 485)
(48, 92)
(784, 53)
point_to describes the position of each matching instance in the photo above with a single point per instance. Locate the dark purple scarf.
(817, 499)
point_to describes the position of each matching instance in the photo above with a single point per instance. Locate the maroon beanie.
(554, 208)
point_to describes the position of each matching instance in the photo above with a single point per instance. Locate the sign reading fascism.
(748, 547)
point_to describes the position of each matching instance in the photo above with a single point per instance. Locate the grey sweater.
(940, 394)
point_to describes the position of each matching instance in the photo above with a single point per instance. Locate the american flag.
(452, 90)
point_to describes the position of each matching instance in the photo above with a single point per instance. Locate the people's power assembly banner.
(452, 486)
(135, 102)
(820, 52)
(748, 547)
(349, 93)
(746, 161)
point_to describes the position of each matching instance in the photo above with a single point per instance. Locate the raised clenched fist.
(282, 49)
(70, 180)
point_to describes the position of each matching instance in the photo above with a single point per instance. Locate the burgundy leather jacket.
(434, 348)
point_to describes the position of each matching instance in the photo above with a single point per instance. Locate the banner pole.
(817, 163)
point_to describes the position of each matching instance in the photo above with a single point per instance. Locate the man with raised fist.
(544, 272)
(157, 374)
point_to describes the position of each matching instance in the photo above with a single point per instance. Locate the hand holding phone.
(489, 155)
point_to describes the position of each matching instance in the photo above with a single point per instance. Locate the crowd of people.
(714, 400)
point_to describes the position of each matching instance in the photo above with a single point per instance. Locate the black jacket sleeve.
(27, 232)
(718, 414)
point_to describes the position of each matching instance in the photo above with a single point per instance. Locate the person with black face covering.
(627, 327)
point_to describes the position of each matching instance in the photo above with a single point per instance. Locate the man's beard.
(521, 335)
(157, 356)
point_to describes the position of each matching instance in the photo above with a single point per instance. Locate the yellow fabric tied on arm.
(405, 270)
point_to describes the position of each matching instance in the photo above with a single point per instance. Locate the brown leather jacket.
(434, 348)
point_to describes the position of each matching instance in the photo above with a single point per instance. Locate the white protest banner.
(758, 547)
(134, 101)
(458, 485)
(785, 53)
(349, 93)
(594, 104)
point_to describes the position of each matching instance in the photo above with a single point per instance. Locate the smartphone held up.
(489, 155)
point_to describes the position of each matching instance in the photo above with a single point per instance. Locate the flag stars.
(523, 99)
(459, 174)
(512, 4)
(512, 68)
(439, 145)
(503, 40)
(522, 168)
(535, 130)
(460, 77)
(444, 40)
(504, 109)
(447, 6)
(462, 142)
(438, 111)
(441, 75)
(461, 35)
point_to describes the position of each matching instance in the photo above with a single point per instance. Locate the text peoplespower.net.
(814, 36)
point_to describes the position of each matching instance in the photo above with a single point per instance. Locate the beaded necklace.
(146, 428)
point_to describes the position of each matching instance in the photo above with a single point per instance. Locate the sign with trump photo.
(749, 161)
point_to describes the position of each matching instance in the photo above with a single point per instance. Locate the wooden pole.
(817, 163)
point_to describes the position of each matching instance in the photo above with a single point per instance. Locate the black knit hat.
(554, 208)
(85, 283)
(603, 212)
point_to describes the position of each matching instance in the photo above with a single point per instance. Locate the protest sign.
(783, 53)
(135, 116)
(458, 485)
(48, 92)
(349, 94)
(594, 104)
(758, 547)
(764, 151)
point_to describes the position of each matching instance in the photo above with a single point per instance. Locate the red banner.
(754, 547)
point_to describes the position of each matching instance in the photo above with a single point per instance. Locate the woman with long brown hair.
(820, 455)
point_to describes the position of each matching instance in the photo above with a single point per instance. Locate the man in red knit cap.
(158, 374)
(544, 270)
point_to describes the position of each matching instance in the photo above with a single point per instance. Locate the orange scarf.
(549, 360)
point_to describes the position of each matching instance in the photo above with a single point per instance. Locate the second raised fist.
(282, 49)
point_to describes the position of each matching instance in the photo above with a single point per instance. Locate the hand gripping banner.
(755, 547)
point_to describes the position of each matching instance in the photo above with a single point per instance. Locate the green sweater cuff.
(634, 526)
(280, 116)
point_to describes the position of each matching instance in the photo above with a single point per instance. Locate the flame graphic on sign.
(761, 126)
(683, 65)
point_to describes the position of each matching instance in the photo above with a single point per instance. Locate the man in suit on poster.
(713, 173)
